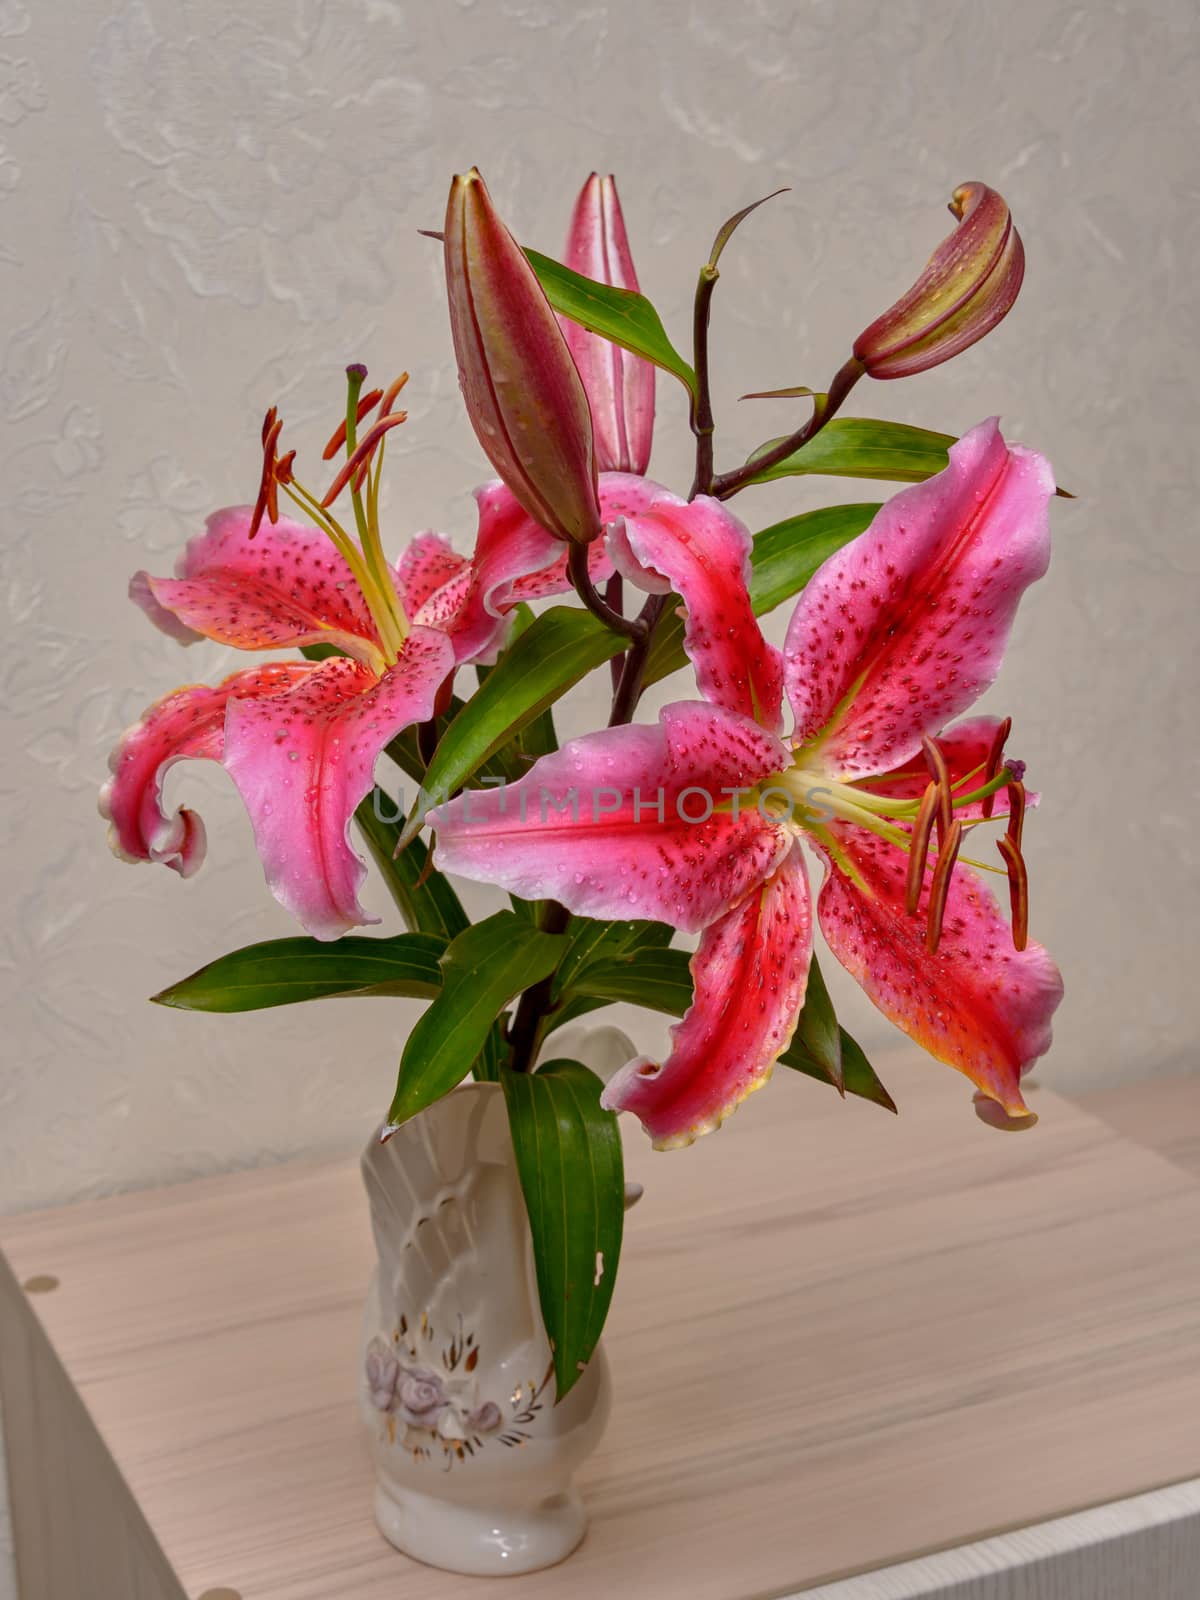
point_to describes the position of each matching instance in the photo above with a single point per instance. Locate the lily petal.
(699, 549)
(603, 824)
(620, 386)
(302, 762)
(515, 559)
(287, 586)
(905, 626)
(977, 1004)
(188, 724)
(750, 975)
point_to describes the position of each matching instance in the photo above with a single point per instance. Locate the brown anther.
(267, 504)
(337, 438)
(283, 468)
(356, 465)
(389, 396)
(936, 762)
(995, 756)
(919, 849)
(1016, 811)
(1018, 889)
(939, 889)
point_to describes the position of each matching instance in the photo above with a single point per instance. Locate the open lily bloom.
(696, 821)
(299, 739)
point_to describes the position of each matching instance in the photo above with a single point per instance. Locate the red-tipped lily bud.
(620, 386)
(523, 391)
(968, 287)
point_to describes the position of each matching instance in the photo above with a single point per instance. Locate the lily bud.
(620, 386)
(968, 287)
(523, 391)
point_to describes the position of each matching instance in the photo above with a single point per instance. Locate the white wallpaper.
(208, 207)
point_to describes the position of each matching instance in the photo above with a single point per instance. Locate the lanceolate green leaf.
(484, 968)
(572, 1173)
(623, 316)
(660, 980)
(591, 941)
(860, 447)
(786, 554)
(558, 649)
(817, 1032)
(783, 559)
(425, 897)
(282, 972)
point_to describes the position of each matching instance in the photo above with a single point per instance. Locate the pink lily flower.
(697, 821)
(300, 740)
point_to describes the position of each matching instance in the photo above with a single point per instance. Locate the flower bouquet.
(844, 744)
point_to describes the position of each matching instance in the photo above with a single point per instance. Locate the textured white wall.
(206, 207)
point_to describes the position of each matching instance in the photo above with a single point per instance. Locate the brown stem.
(728, 483)
(702, 421)
(534, 1003)
(577, 567)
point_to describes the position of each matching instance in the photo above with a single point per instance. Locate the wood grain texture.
(1147, 1548)
(839, 1341)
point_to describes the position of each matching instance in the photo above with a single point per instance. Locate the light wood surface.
(839, 1340)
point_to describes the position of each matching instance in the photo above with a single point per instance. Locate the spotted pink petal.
(303, 761)
(287, 586)
(750, 975)
(601, 824)
(190, 723)
(515, 559)
(906, 626)
(977, 1004)
(620, 386)
(702, 551)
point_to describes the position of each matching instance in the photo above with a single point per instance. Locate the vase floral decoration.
(848, 746)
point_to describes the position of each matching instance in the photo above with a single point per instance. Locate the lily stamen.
(1016, 811)
(357, 464)
(267, 503)
(1018, 889)
(995, 757)
(936, 763)
(940, 887)
(919, 849)
(337, 438)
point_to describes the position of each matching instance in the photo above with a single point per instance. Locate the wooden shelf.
(839, 1341)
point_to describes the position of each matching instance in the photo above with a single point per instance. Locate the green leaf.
(860, 447)
(858, 1075)
(662, 981)
(571, 1167)
(484, 968)
(817, 1031)
(557, 649)
(425, 897)
(658, 979)
(282, 972)
(786, 554)
(592, 941)
(627, 318)
(783, 559)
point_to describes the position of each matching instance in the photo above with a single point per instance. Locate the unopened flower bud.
(620, 386)
(523, 391)
(968, 286)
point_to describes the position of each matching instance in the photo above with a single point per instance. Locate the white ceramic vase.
(474, 1461)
